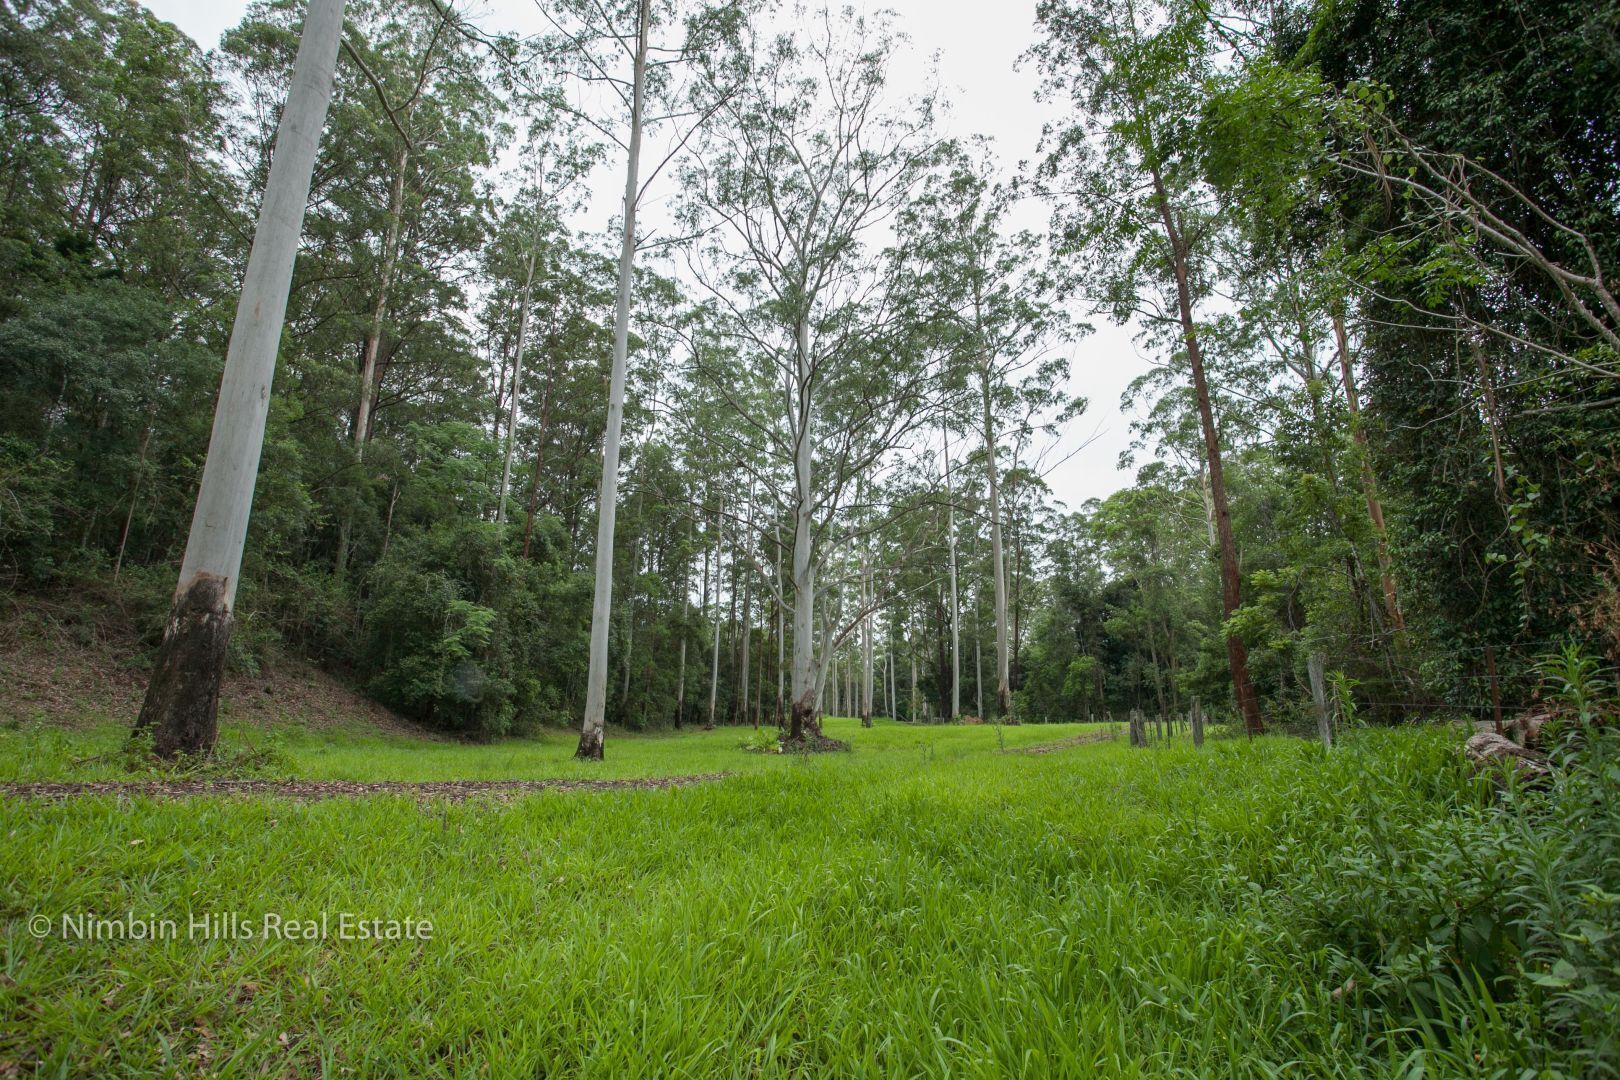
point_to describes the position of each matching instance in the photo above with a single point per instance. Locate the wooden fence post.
(1314, 665)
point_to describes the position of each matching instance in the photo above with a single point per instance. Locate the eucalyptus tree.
(995, 300)
(182, 699)
(804, 163)
(398, 209)
(612, 47)
(1132, 201)
(536, 239)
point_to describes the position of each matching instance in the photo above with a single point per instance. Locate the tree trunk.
(1375, 507)
(539, 459)
(629, 606)
(134, 495)
(1231, 581)
(911, 647)
(781, 641)
(373, 344)
(866, 642)
(998, 565)
(956, 607)
(182, 700)
(1324, 730)
(686, 613)
(593, 727)
(746, 624)
(978, 674)
(714, 663)
(894, 704)
(803, 719)
(379, 309)
(517, 383)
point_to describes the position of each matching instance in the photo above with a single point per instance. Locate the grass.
(356, 752)
(923, 906)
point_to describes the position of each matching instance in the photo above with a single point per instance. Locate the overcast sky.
(977, 47)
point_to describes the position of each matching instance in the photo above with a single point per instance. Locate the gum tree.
(805, 161)
(182, 699)
(613, 47)
(992, 301)
(1132, 205)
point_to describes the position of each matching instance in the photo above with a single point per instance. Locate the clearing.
(925, 905)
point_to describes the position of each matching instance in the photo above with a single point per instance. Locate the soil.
(813, 744)
(80, 662)
(309, 790)
(1065, 744)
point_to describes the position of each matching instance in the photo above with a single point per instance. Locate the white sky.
(976, 46)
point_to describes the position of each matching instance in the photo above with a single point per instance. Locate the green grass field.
(352, 752)
(926, 905)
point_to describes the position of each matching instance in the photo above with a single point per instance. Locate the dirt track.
(449, 790)
(1064, 744)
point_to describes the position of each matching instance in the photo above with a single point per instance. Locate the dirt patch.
(1065, 744)
(81, 664)
(310, 790)
(813, 744)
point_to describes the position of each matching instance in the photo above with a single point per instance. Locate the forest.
(667, 400)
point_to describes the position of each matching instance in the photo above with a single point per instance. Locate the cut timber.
(1490, 752)
(1526, 729)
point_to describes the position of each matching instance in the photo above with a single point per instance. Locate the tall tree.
(182, 699)
(994, 299)
(601, 41)
(805, 161)
(1133, 201)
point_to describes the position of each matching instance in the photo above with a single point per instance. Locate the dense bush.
(1493, 929)
(458, 630)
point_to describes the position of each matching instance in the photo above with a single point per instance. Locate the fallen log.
(1502, 757)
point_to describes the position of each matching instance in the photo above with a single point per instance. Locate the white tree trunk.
(998, 566)
(803, 719)
(719, 576)
(911, 647)
(894, 706)
(686, 612)
(956, 607)
(747, 604)
(591, 731)
(781, 641)
(517, 383)
(866, 642)
(182, 699)
(978, 675)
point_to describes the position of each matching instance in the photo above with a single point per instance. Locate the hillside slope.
(80, 661)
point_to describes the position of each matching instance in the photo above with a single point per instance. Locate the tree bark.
(517, 383)
(746, 624)
(781, 641)
(1231, 580)
(866, 642)
(956, 607)
(686, 613)
(805, 677)
(539, 459)
(592, 729)
(1315, 669)
(998, 565)
(182, 700)
(714, 662)
(134, 495)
